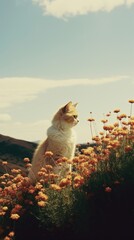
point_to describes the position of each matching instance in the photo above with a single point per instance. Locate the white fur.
(65, 138)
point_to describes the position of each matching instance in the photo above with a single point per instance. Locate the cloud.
(22, 89)
(5, 117)
(67, 8)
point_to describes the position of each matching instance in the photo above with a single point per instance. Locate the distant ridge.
(14, 151)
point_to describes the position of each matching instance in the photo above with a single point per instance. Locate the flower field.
(93, 201)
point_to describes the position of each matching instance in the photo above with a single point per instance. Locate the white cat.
(61, 140)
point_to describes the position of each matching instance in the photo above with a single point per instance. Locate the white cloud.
(66, 8)
(18, 90)
(5, 117)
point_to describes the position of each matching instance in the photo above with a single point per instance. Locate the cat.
(61, 141)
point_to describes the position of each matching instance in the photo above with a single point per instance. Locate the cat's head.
(67, 116)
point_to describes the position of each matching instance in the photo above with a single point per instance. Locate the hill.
(14, 151)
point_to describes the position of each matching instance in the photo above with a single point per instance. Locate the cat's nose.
(77, 120)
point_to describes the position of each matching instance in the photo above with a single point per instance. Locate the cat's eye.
(75, 116)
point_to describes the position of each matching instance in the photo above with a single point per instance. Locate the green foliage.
(58, 210)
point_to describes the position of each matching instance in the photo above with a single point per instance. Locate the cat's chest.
(67, 137)
(62, 142)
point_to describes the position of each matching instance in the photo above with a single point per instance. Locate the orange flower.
(124, 132)
(41, 174)
(101, 133)
(3, 183)
(115, 143)
(41, 203)
(48, 167)
(69, 161)
(108, 127)
(2, 213)
(88, 151)
(5, 208)
(116, 124)
(76, 159)
(131, 122)
(42, 196)
(4, 163)
(78, 180)
(53, 176)
(131, 101)
(109, 147)
(14, 216)
(104, 120)
(125, 123)
(116, 110)
(31, 190)
(91, 119)
(7, 238)
(48, 154)
(28, 165)
(38, 186)
(105, 140)
(55, 187)
(15, 170)
(43, 170)
(16, 209)
(128, 148)
(96, 138)
(64, 182)
(11, 234)
(26, 160)
(86, 172)
(6, 175)
(121, 116)
(62, 160)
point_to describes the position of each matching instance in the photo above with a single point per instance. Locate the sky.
(56, 51)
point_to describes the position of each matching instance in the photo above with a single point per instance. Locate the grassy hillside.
(14, 150)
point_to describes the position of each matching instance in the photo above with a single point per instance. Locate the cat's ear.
(75, 104)
(66, 107)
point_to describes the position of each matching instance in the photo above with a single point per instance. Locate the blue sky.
(54, 51)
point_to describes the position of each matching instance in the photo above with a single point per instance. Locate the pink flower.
(108, 189)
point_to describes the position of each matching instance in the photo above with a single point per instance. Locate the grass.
(94, 201)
